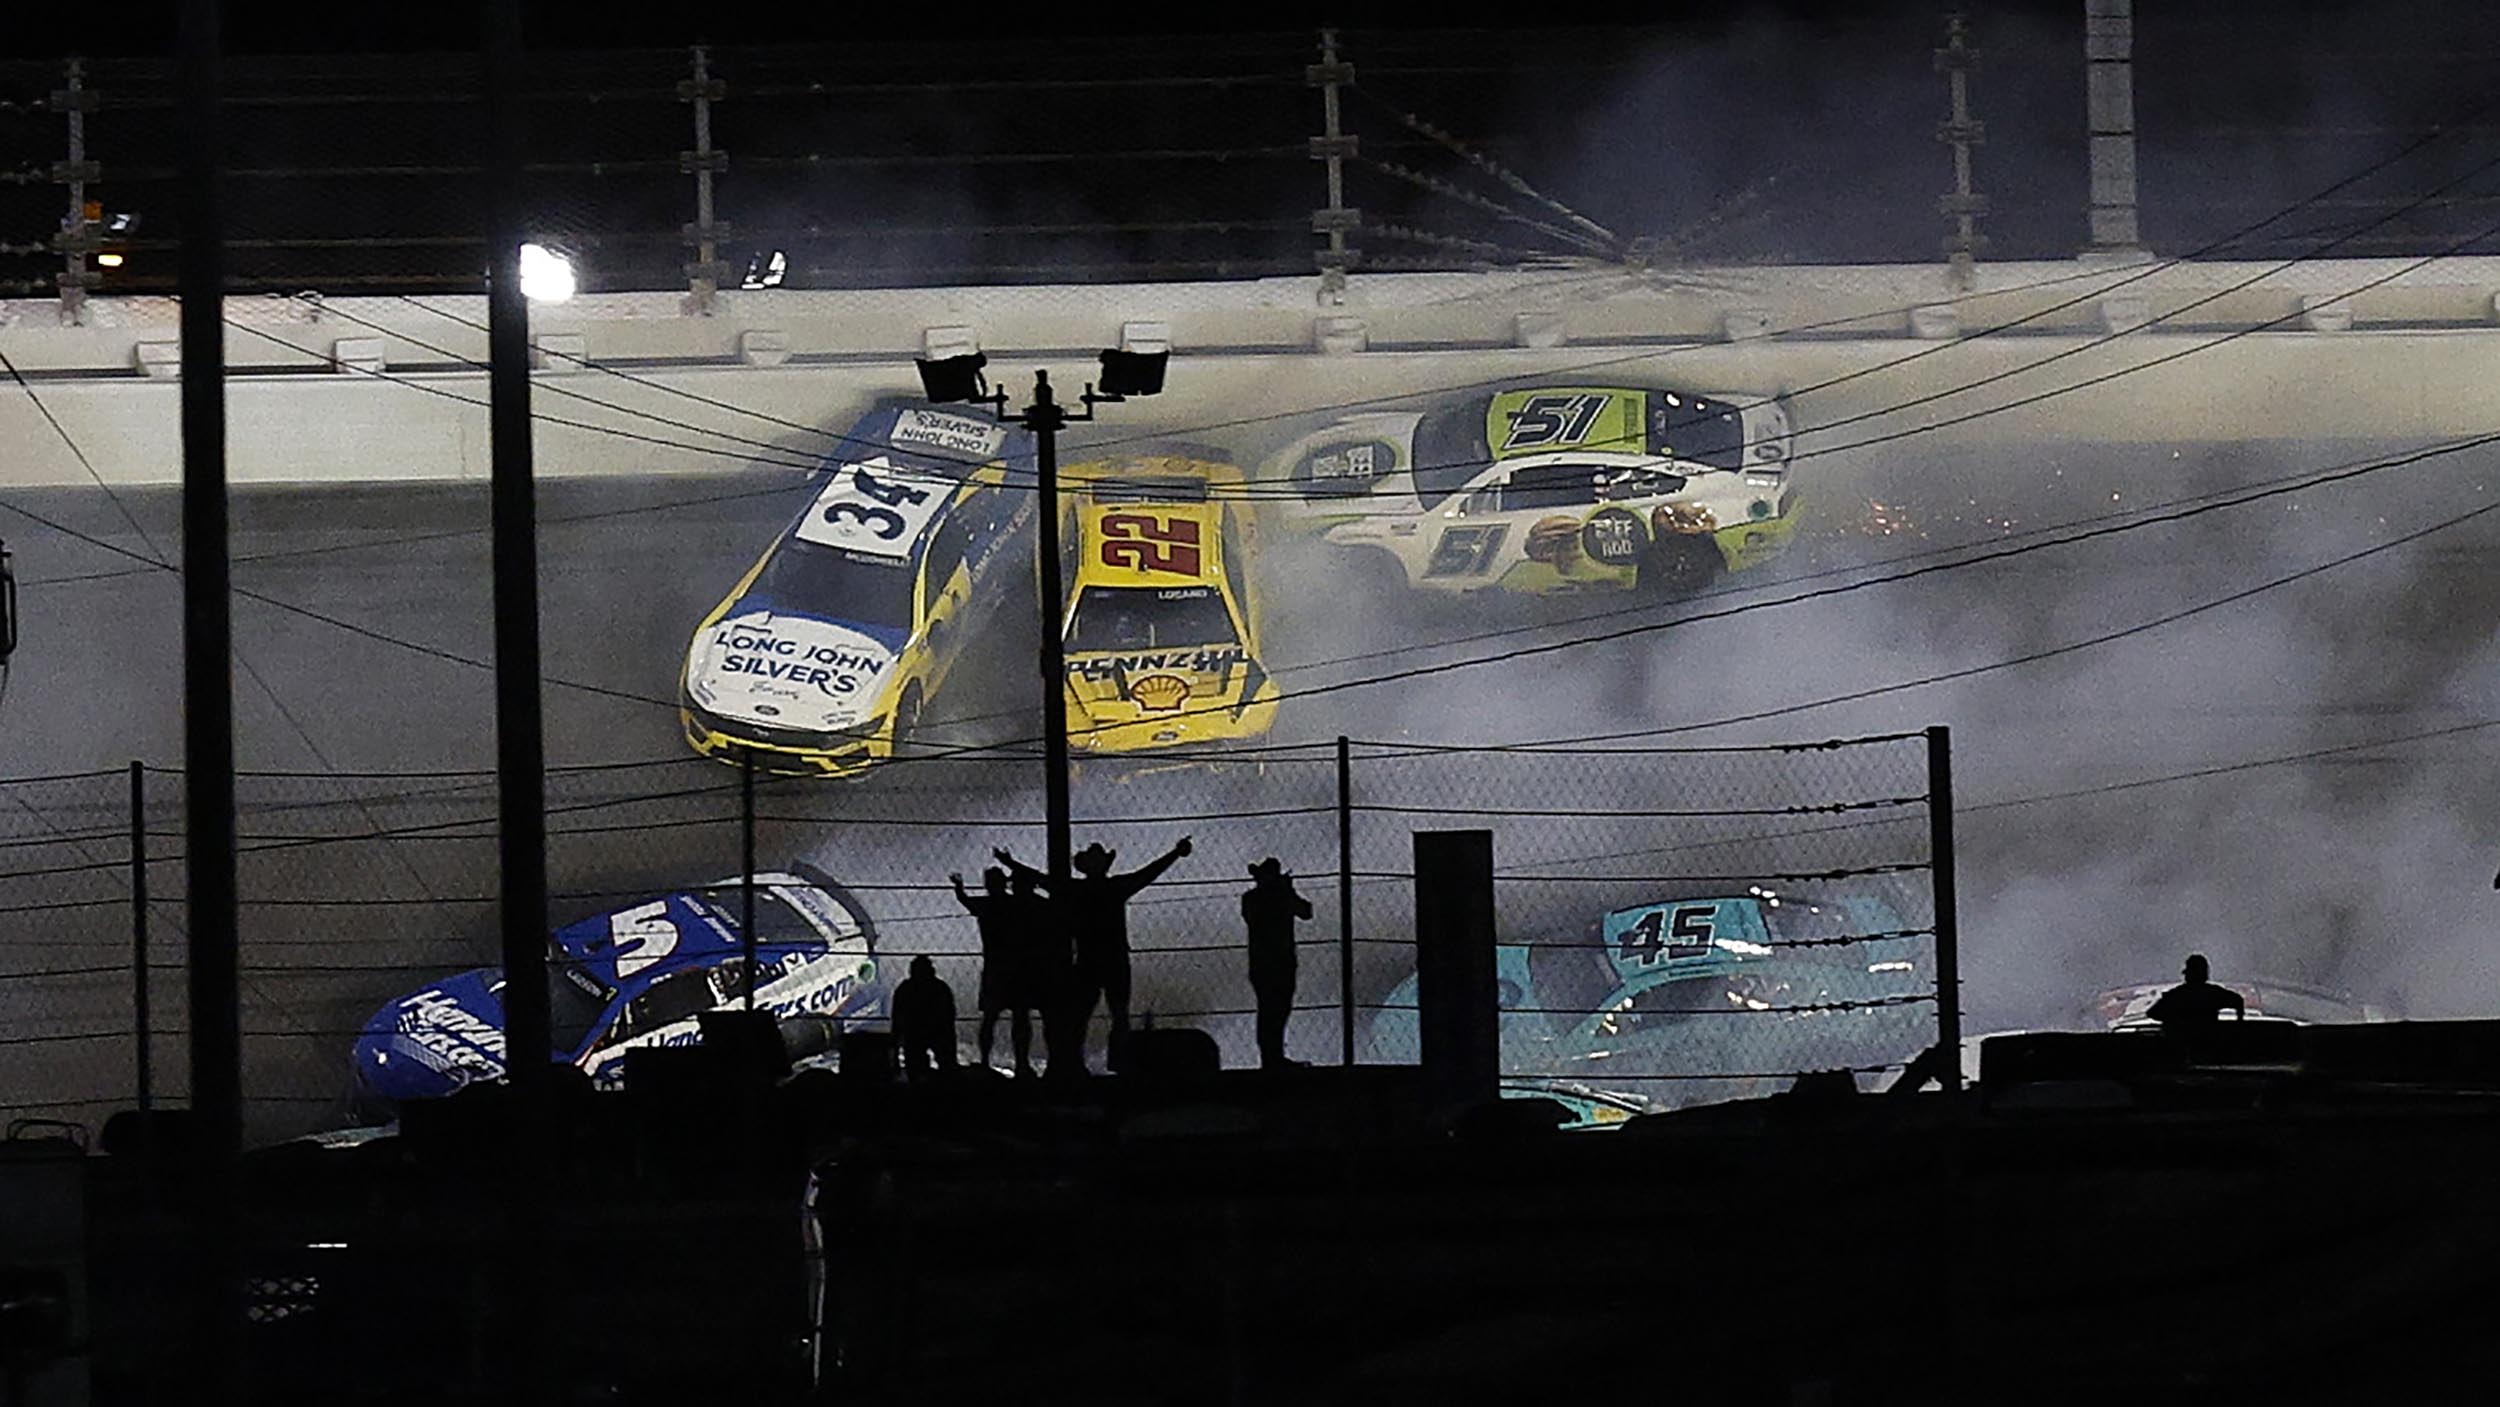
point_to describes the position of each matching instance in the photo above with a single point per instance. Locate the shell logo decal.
(1159, 693)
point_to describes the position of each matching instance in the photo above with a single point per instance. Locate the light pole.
(1124, 374)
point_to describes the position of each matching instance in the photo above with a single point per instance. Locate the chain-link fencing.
(1621, 152)
(1675, 926)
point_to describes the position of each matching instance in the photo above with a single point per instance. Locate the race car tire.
(1678, 567)
(1374, 575)
(907, 715)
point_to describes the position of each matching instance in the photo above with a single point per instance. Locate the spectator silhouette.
(1093, 905)
(1007, 941)
(2194, 1007)
(924, 1020)
(1269, 908)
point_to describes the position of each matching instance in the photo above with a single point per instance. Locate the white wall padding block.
(952, 340)
(1744, 324)
(559, 351)
(1540, 329)
(1340, 336)
(358, 356)
(763, 347)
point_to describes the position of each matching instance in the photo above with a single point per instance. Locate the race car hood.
(1137, 699)
(791, 671)
(435, 1041)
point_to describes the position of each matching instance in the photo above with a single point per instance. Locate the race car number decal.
(1148, 544)
(641, 936)
(1680, 933)
(873, 508)
(1554, 420)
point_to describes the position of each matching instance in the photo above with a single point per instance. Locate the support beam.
(521, 1353)
(1454, 969)
(2109, 86)
(214, 1367)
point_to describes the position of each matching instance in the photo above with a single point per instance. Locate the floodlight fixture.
(546, 276)
(950, 379)
(1131, 373)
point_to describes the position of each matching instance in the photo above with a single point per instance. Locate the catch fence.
(1675, 925)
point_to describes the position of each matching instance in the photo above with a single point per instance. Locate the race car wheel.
(1678, 567)
(1375, 576)
(907, 715)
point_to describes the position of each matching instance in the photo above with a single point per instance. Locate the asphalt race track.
(2272, 866)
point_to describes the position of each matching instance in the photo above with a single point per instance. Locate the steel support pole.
(746, 867)
(1345, 899)
(215, 1365)
(2109, 95)
(1044, 418)
(1948, 919)
(76, 272)
(1331, 148)
(142, 1028)
(520, 1351)
(1963, 206)
(520, 758)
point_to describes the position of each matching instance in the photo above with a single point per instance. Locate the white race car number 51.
(641, 936)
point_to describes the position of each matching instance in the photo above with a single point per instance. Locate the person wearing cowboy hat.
(1269, 908)
(1093, 904)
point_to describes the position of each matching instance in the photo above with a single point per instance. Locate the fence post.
(1960, 131)
(77, 239)
(746, 866)
(1948, 922)
(705, 275)
(1345, 899)
(142, 1030)
(1334, 220)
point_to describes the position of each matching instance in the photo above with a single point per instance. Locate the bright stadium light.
(546, 276)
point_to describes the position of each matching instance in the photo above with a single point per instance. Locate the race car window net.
(806, 579)
(1570, 976)
(1554, 486)
(671, 999)
(574, 1004)
(1449, 452)
(1149, 618)
(1697, 430)
(776, 923)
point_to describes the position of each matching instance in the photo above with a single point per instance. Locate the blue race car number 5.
(641, 937)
